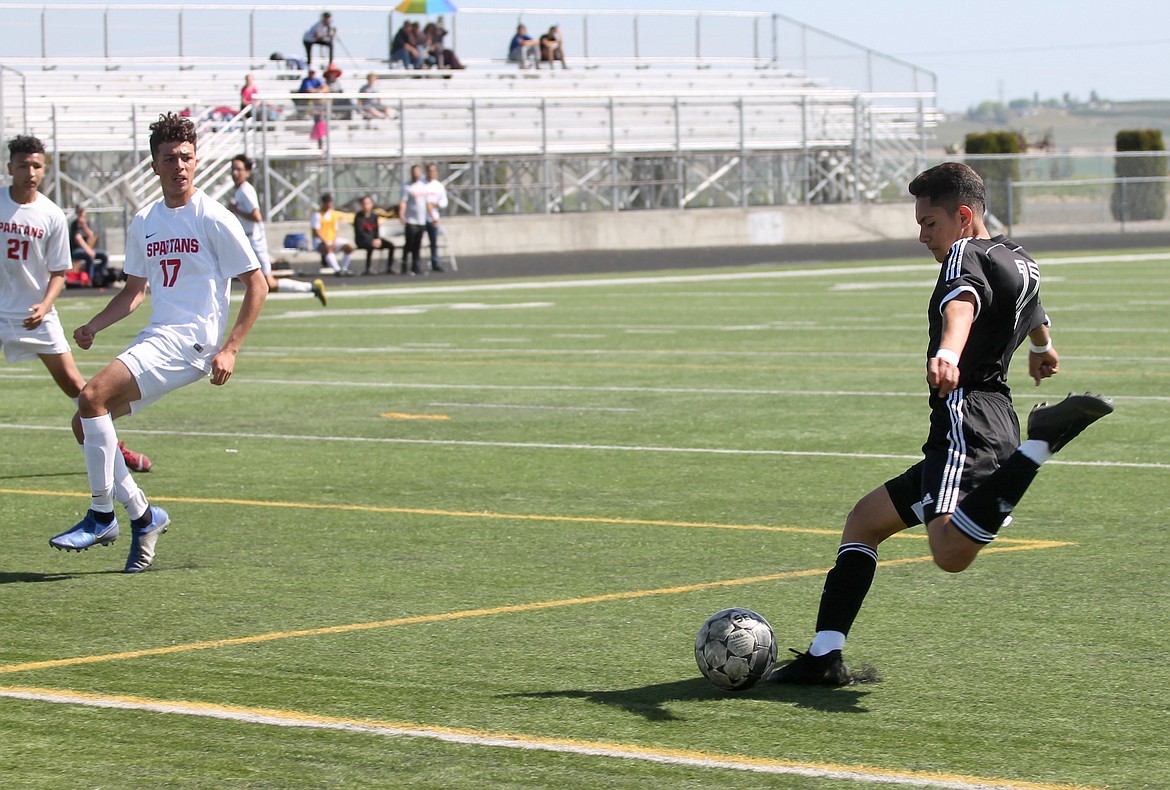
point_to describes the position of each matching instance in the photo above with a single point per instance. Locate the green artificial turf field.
(463, 536)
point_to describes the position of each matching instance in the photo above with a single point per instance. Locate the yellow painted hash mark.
(397, 415)
(464, 614)
(489, 515)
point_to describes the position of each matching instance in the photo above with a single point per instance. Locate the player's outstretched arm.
(124, 303)
(255, 292)
(1043, 361)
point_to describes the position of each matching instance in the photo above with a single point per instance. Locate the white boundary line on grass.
(676, 757)
(790, 271)
(630, 448)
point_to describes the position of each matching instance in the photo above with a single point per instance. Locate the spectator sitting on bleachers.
(433, 35)
(343, 108)
(310, 84)
(373, 108)
(366, 236)
(88, 258)
(248, 92)
(523, 48)
(406, 46)
(552, 47)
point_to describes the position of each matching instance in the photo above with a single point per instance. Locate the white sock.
(826, 641)
(126, 489)
(345, 261)
(100, 447)
(331, 261)
(1037, 450)
(294, 286)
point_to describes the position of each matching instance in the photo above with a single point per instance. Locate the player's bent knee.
(951, 550)
(951, 563)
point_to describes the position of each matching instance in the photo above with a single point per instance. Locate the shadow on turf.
(15, 577)
(652, 702)
(43, 474)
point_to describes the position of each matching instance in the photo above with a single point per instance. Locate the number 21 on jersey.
(170, 271)
(18, 249)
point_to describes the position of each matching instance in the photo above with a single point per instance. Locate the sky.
(986, 50)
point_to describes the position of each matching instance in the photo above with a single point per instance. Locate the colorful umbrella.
(426, 7)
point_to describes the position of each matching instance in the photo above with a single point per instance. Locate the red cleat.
(137, 462)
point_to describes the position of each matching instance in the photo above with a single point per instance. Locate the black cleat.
(1062, 422)
(809, 670)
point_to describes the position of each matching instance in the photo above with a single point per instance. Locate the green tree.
(997, 172)
(1142, 200)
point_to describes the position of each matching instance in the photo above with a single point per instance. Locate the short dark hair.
(326, 197)
(171, 128)
(950, 185)
(25, 144)
(244, 160)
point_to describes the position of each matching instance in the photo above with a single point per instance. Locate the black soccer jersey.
(1005, 282)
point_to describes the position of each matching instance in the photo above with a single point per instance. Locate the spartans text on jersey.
(171, 246)
(18, 229)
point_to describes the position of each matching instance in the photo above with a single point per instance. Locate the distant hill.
(1084, 128)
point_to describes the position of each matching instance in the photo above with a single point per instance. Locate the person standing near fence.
(412, 210)
(436, 200)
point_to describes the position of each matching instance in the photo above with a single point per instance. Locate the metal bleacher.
(507, 139)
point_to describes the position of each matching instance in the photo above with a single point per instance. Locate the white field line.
(556, 446)
(675, 757)
(717, 391)
(789, 272)
(911, 357)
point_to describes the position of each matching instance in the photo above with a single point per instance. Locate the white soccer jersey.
(247, 201)
(34, 240)
(189, 256)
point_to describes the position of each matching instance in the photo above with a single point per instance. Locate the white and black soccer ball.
(735, 649)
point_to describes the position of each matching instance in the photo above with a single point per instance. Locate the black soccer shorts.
(971, 434)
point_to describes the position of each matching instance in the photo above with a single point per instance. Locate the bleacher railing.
(183, 35)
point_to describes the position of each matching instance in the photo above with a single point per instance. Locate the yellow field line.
(1025, 542)
(533, 606)
(466, 736)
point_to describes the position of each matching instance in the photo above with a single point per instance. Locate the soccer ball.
(735, 649)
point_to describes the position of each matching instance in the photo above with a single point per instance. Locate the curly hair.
(245, 160)
(171, 128)
(25, 144)
(950, 185)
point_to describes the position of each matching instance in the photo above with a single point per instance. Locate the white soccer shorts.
(158, 367)
(25, 345)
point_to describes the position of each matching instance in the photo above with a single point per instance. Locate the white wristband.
(946, 355)
(1035, 349)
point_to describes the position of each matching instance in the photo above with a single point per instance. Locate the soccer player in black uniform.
(974, 469)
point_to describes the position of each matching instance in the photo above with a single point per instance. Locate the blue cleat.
(142, 540)
(86, 533)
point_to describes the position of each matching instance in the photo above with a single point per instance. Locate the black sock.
(982, 512)
(846, 587)
(102, 518)
(143, 521)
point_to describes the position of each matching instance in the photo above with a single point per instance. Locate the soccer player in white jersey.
(34, 245)
(187, 248)
(246, 205)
